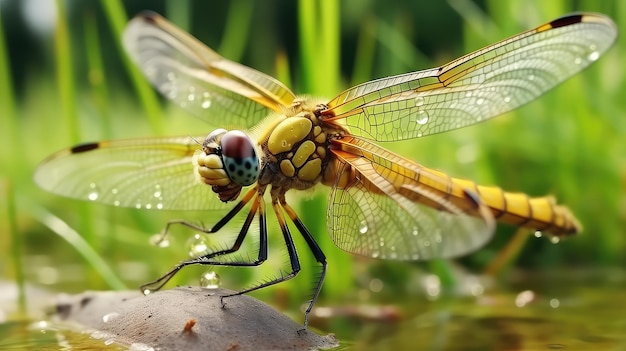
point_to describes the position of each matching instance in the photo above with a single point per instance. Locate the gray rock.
(187, 319)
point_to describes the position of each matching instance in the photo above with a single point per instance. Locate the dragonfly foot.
(222, 300)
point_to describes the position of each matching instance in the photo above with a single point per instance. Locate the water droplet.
(197, 245)
(159, 206)
(93, 192)
(283, 143)
(422, 117)
(206, 100)
(524, 298)
(468, 94)
(147, 291)
(171, 76)
(507, 99)
(415, 231)
(110, 316)
(538, 234)
(594, 55)
(432, 283)
(555, 239)
(138, 205)
(210, 280)
(157, 191)
(191, 97)
(419, 135)
(477, 289)
(376, 285)
(531, 77)
(363, 228)
(480, 101)
(116, 203)
(426, 243)
(375, 254)
(578, 61)
(148, 206)
(419, 101)
(160, 240)
(137, 346)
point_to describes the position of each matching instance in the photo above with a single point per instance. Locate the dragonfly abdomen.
(519, 209)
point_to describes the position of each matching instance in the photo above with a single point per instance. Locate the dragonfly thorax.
(295, 150)
(227, 162)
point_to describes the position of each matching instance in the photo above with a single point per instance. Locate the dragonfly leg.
(291, 251)
(317, 253)
(241, 204)
(206, 259)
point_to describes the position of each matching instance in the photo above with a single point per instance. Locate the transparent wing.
(198, 79)
(151, 173)
(388, 212)
(475, 87)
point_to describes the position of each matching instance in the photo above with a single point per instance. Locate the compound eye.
(240, 160)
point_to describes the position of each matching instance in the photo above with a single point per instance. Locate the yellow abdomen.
(537, 213)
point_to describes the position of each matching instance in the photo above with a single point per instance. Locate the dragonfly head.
(228, 162)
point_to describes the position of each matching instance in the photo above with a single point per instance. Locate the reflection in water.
(568, 312)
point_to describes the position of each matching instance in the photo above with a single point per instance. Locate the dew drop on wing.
(94, 192)
(157, 192)
(206, 100)
(363, 228)
(419, 101)
(422, 117)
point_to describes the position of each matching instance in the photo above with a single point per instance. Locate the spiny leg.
(222, 222)
(291, 250)
(317, 253)
(206, 259)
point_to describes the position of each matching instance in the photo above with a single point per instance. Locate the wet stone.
(187, 318)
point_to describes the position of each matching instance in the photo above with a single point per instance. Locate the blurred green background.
(64, 80)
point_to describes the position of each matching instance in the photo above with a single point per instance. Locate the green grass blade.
(71, 236)
(10, 132)
(307, 15)
(148, 98)
(365, 52)
(96, 75)
(17, 250)
(237, 29)
(65, 78)
(179, 12)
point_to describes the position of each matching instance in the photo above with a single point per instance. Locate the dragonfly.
(381, 204)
